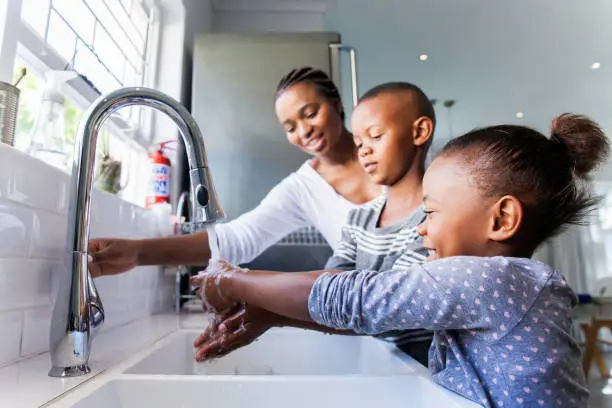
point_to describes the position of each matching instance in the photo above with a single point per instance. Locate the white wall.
(199, 19)
(33, 223)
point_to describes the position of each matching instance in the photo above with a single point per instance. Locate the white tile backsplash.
(15, 229)
(48, 235)
(33, 226)
(32, 182)
(36, 323)
(25, 283)
(11, 325)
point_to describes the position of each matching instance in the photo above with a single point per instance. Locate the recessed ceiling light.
(520, 115)
(596, 65)
(423, 57)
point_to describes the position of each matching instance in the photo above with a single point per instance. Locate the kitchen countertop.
(26, 383)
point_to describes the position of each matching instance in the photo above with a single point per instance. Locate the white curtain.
(583, 254)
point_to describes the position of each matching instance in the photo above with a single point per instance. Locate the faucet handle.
(97, 308)
(205, 207)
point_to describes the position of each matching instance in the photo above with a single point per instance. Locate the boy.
(393, 125)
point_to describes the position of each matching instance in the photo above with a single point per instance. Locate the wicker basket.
(9, 104)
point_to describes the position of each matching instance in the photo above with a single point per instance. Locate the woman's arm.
(281, 212)
(115, 256)
(240, 240)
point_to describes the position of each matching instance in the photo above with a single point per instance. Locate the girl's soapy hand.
(211, 282)
(238, 329)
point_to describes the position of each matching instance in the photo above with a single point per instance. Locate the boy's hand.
(211, 283)
(237, 330)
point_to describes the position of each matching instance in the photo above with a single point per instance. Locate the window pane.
(29, 101)
(61, 37)
(78, 16)
(120, 13)
(109, 53)
(135, 60)
(130, 76)
(88, 64)
(35, 13)
(127, 4)
(32, 87)
(109, 26)
(140, 18)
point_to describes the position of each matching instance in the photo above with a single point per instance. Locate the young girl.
(501, 319)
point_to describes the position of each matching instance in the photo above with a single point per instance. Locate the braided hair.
(316, 77)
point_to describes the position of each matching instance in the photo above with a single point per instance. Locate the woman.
(320, 193)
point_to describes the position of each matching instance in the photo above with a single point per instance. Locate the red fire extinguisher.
(159, 177)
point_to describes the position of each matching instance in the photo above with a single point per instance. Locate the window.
(109, 43)
(605, 210)
(29, 101)
(105, 40)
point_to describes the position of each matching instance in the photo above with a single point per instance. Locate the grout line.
(21, 334)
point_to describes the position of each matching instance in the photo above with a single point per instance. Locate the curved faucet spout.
(78, 308)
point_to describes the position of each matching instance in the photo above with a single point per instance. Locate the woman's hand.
(112, 256)
(213, 291)
(237, 329)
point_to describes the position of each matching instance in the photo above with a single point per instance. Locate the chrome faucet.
(78, 311)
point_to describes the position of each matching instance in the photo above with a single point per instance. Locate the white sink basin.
(279, 352)
(254, 392)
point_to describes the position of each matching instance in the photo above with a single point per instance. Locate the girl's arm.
(456, 293)
(285, 294)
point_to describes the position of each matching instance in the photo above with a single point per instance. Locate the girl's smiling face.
(460, 219)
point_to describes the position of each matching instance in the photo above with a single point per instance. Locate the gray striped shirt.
(365, 246)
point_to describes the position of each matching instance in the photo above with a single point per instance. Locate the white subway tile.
(6, 170)
(35, 183)
(145, 222)
(15, 229)
(107, 286)
(49, 235)
(58, 270)
(33, 224)
(10, 340)
(24, 283)
(36, 326)
(106, 206)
